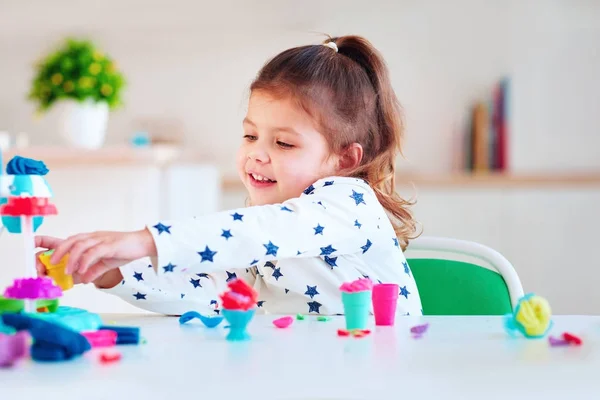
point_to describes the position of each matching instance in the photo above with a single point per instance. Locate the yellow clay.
(534, 314)
(57, 271)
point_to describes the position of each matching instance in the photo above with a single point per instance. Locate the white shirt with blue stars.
(295, 254)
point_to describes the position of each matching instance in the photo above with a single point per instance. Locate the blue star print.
(284, 208)
(123, 282)
(321, 204)
(277, 274)
(269, 264)
(309, 189)
(404, 292)
(287, 291)
(311, 291)
(357, 224)
(138, 276)
(358, 197)
(366, 246)
(182, 295)
(207, 254)
(331, 261)
(226, 233)
(406, 269)
(202, 275)
(313, 306)
(325, 251)
(160, 227)
(139, 296)
(213, 302)
(318, 229)
(260, 303)
(195, 282)
(396, 242)
(328, 183)
(271, 249)
(237, 217)
(230, 276)
(169, 267)
(253, 262)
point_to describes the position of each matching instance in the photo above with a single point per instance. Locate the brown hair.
(350, 95)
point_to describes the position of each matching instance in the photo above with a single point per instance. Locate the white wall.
(191, 62)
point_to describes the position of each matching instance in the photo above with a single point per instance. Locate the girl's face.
(282, 152)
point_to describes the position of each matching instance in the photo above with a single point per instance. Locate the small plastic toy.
(532, 317)
(16, 306)
(208, 321)
(24, 195)
(356, 298)
(238, 308)
(283, 322)
(73, 318)
(385, 300)
(567, 339)
(57, 271)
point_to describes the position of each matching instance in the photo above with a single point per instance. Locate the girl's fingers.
(76, 252)
(47, 242)
(92, 256)
(65, 246)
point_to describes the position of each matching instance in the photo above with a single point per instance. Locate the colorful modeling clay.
(238, 308)
(532, 317)
(555, 342)
(572, 339)
(25, 166)
(419, 330)
(109, 357)
(356, 298)
(283, 322)
(300, 317)
(27, 206)
(385, 300)
(57, 271)
(33, 288)
(323, 318)
(208, 321)
(101, 338)
(13, 348)
(52, 342)
(358, 285)
(125, 334)
(240, 296)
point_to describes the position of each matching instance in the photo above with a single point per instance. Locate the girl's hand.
(91, 255)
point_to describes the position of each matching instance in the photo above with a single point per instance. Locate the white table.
(458, 358)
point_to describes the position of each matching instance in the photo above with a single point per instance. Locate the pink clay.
(358, 285)
(283, 322)
(33, 289)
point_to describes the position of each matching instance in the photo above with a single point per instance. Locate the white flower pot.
(83, 124)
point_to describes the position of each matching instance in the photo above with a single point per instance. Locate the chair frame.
(463, 250)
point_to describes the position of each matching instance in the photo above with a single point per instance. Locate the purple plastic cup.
(385, 300)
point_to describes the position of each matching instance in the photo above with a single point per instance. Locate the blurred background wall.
(188, 65)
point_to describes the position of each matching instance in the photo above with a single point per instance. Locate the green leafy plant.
(77, 70)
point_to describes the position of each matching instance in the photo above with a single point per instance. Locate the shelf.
(491, 180)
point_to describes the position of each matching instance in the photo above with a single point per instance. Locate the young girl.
(321, 136)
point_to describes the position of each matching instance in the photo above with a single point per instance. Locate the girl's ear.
(351, 157)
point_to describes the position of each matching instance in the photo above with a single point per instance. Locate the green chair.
(457, 277)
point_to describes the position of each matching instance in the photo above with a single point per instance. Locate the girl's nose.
(258, 155)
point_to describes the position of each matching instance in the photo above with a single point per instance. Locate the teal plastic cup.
(357, 307)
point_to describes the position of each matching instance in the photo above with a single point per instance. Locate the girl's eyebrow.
(276, 129)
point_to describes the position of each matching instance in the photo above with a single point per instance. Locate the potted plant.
(89, 84)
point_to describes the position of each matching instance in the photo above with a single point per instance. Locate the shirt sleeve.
(173, 295)
(329, 219)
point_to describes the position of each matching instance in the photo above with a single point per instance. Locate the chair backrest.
(457, 277)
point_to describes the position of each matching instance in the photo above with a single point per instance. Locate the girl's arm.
(330, 219)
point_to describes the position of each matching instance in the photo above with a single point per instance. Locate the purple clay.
(554, 342)
(419, 330)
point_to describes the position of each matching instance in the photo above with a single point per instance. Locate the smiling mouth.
(260, 180)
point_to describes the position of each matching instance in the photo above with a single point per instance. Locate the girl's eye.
(250, 137)
(285, 145)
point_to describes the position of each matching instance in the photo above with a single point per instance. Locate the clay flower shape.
(33, 289)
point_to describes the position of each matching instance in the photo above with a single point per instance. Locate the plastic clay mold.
(33, 289)
(208, 321)
(76, 319)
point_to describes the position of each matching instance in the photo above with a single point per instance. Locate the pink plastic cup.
(385, 300)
